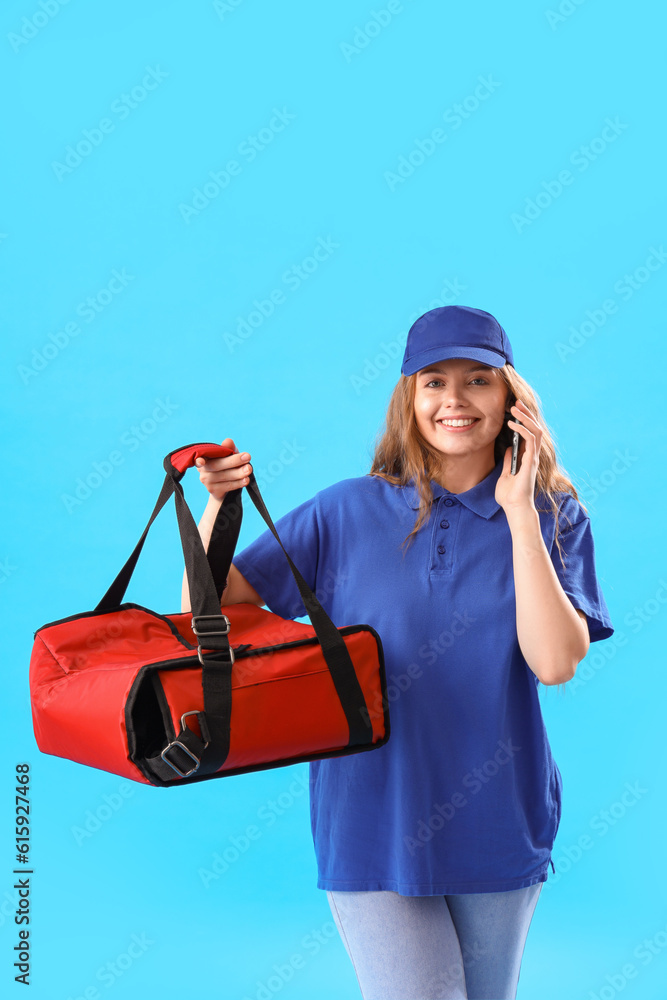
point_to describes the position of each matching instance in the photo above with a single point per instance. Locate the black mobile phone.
(516, 438)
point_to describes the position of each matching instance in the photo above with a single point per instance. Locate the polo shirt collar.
(480, 499)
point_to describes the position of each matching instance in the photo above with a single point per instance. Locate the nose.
(453, 396)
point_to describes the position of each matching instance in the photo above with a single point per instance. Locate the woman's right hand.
(221, 475)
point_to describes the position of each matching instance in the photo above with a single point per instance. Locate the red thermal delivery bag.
(176, 698)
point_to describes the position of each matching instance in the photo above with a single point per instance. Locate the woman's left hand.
(518, 492)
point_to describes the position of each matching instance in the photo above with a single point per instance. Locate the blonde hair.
(402, 453)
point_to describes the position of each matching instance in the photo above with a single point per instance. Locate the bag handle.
(222, 544)
(206, 576)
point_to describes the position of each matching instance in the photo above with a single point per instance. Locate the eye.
(477, 379)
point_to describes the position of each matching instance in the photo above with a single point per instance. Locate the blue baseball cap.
(456, 332)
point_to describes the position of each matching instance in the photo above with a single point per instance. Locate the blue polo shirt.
(465, 796)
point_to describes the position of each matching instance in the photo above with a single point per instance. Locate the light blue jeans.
(453, 947)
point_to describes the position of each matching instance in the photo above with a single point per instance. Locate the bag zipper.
(247, 649)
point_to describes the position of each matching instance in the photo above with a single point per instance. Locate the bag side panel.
(79, 715)
(81, 718)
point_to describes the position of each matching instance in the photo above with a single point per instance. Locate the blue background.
(162, 363)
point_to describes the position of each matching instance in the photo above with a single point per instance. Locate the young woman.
(482, 585)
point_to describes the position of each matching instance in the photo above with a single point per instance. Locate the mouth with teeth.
(457, 426)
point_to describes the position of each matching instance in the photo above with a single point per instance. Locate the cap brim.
(435, 354)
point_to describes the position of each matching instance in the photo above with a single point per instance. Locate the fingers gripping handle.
(185, 458)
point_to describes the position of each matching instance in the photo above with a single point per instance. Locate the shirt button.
(444, 524)
(441, 549)
(449, 502)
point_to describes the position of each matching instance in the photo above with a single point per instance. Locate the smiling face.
(461, 388)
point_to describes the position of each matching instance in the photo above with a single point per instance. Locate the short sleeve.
(579, 577)
(264, 564)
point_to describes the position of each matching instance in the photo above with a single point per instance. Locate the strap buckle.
(203, 726)
(177, 743)
(201, 659)
(204, 634)
(215, 618)
(206, 736)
